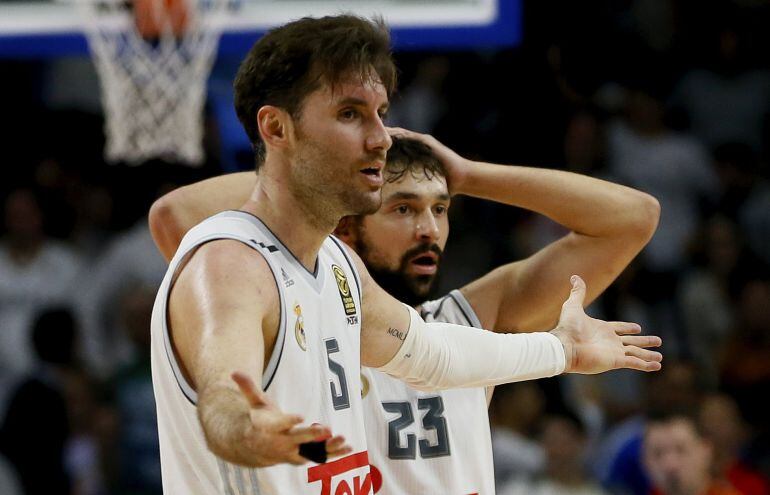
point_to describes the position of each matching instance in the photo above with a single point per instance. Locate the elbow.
(162, 222)
(645, 215)
(158, 212)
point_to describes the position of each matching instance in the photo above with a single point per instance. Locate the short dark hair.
(666, 415)
(411, 155)
(293, 60)
(569, 416)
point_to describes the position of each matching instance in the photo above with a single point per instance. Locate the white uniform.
(313, 371)
(429, 443)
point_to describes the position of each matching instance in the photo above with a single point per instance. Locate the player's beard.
(407, 288)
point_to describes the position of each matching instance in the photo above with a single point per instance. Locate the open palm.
(595, 346)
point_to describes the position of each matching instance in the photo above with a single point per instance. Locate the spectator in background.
(679, 458)
(728, 100)
(35, 272)
(137, 462)
(704, 294)
(563, 438)
(745, 365)
(645, 153)
(36, 447)
(618, 460)
(130, 259)
(422, 104)
(584, 151)
(745, 194)
(722, 424)
(585, 143)
(514, 412)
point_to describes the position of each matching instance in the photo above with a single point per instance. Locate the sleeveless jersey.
(313, 371)
(429, 443)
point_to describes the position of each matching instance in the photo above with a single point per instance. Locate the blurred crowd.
(668, 96)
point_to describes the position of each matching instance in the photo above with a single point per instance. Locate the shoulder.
(229, 266)
(229, 255)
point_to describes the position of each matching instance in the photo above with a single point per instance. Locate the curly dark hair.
(293, 60)
(411, 155)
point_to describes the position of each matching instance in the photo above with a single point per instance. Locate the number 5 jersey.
(314, 371)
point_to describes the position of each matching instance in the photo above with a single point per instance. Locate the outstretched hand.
(274, 437)
(595, 346)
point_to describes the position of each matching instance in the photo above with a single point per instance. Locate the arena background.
(669, 96)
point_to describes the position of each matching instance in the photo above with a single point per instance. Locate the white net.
(153, 92)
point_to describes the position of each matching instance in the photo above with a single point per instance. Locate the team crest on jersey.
(344, 287)
(364, 386)
(299, 328)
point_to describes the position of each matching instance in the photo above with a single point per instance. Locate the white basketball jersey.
(429, 443)
(313, 371)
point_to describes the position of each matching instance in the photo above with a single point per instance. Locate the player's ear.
(346, 230)
(273, 122)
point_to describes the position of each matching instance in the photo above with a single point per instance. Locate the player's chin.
(422, 284)
(367, 203)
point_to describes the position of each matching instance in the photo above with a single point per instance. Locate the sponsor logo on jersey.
(299, 328)
(364, 386)
(286, 280)
(334, 481)
(342, 285)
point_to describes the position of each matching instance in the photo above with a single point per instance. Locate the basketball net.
(153, 58)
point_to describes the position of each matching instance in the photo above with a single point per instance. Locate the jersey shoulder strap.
(452, 308)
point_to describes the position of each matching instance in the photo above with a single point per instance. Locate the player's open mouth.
(373, 175)
(425, 263)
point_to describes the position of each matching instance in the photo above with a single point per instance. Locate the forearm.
(224, 417)
(442, 355)
(583, 204)
(175, 213)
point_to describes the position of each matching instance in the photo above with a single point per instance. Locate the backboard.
(39, 29)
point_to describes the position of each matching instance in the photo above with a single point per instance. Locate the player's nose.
(427, 227)
(379, 139)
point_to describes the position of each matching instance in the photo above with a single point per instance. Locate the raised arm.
(609, 225)
(172, 215)
(214, 308)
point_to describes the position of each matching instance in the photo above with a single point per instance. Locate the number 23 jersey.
(429, 443)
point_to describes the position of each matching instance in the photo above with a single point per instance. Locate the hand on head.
(456, 166)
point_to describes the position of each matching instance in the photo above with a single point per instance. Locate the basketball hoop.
(153, 58)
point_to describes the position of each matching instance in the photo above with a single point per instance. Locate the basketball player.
(263, 295)
(439, 442)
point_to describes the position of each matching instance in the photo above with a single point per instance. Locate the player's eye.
(402, 209)
(348, 114)
(440, 209)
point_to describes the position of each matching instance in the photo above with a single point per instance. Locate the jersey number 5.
(340, 398)
(432, 420)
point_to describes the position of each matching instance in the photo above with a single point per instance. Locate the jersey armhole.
(275, 356)
(465, 308)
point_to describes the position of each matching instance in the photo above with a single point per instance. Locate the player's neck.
(300, 228)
